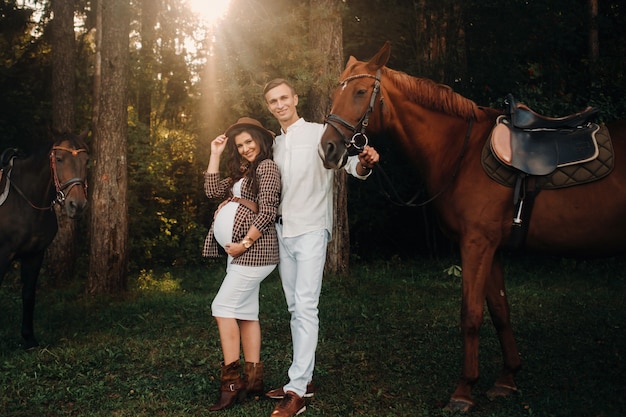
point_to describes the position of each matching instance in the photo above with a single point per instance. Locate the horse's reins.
(359, 140)
(61, 189)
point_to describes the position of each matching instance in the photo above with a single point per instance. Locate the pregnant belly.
(223, 224)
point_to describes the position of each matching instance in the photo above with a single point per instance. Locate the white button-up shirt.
(306, 202)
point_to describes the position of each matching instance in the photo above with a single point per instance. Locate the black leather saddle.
(523, 117)
(7, 155)
(538, 145)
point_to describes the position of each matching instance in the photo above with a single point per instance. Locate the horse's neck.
(433, 143)
(34, 178)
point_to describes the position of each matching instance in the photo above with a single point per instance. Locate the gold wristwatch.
(247, 242)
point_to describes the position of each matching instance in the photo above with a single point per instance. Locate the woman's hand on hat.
(218, 144)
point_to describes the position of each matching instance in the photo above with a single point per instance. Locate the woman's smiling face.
(246, 146)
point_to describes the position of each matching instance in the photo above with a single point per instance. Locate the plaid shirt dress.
(264, 251)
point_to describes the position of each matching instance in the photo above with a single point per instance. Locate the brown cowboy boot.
(254, 378)
(232, 385)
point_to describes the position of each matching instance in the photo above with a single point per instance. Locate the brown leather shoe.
(290, 406)
(279, 393)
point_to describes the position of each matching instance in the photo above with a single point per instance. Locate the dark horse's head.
(354, 100)
(68, 165)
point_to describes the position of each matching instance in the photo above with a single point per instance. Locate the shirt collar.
(295, 125)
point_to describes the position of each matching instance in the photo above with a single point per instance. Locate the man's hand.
(367, 159)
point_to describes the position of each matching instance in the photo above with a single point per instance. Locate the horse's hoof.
(459, 406)
(501, 391)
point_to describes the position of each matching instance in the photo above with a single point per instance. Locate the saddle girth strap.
(526, 190)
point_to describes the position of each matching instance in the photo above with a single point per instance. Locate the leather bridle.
(359, 139)
(61, 189)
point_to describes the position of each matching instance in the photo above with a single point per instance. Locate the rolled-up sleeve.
(214, 187)
(268, 177)
(351, 165)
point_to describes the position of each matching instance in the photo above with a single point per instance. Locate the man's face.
(282, 103)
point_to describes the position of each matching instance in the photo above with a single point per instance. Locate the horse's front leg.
(30, 271)
(477, 257)
(5, 261)
(499, 310)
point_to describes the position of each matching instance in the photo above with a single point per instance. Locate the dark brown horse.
(29, 189)
(444, 135)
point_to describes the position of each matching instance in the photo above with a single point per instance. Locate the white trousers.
(301, 270)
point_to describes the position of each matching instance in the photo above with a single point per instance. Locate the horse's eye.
(361, 92)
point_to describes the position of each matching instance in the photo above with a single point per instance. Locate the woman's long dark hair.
(237, 166)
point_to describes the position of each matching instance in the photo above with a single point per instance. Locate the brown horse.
(444, 134)
(29, 189)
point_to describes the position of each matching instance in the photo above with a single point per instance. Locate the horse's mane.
(427, 93)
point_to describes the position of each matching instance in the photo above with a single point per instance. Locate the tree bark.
(61, 254)
(326, 41)
(149, 12)
(108, 260)
(594, 44)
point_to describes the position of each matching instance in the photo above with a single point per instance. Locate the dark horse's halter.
(61, 189)
(359, 140)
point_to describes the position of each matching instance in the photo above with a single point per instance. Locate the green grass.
(389, 344)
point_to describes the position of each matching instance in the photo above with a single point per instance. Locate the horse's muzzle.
(73, 197)
(333, 156)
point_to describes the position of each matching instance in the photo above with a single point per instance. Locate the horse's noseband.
(359, 140)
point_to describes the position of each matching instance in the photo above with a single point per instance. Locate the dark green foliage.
(169, 214)
(389, 344)
(24, 79)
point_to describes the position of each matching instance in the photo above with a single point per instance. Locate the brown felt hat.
(250, 123)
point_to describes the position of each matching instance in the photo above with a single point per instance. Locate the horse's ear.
(83, 135)
(381, 57)
(351, 61)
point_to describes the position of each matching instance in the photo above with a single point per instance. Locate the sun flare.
(209, 10)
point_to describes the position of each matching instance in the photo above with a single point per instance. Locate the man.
(304, 225)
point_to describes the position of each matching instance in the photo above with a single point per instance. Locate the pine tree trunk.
(108, 260)
(149, 12)
(61, 253)
(594, 45)
(325, 36)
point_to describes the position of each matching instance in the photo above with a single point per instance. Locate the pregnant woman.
(244, 228)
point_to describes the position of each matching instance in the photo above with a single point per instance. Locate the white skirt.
(238, 296)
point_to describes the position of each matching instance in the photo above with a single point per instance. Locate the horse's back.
(617, 130)
(587, 219)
